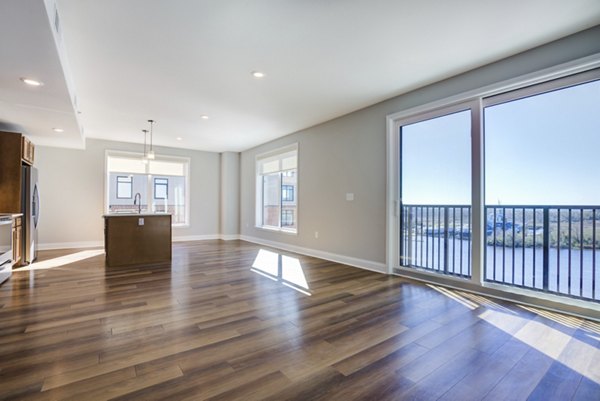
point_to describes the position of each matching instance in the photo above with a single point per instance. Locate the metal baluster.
(558, 250)
(439, 212)
(427, 237)
(513, 245)
(581, 252)
(411, 239)
(523, 253)
(594, 253)
(546, 248)
(421, 234)
(494, 249)
(439, 249)
(454, 240)
(446, 240)
(469, 244)
(503, 244)
(461, 239)
(569, 251)
(534, 245)
(402, 240)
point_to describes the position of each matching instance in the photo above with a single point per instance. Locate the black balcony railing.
(437, 238)
(546, 248)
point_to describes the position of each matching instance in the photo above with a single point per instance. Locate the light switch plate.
(349, 196)
(141, 221)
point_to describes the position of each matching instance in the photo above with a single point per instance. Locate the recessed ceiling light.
(204, 117)
(258, 74)
(31, 82)
(58, 130)
(179, 138)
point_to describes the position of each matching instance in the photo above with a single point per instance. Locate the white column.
(230, 195)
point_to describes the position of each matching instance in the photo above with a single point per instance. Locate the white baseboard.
(204, 237)
(230, 237)
(333, 257)
(70, 245)
(97, 244)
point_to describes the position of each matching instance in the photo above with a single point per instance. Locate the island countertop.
(135, 239)
(130, 214)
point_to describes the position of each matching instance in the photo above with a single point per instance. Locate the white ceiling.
(28, 49)
(176, 60)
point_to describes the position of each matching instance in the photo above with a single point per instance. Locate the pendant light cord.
(145, 131)
(151, 124)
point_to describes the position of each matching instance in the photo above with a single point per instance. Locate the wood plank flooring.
(233, 320)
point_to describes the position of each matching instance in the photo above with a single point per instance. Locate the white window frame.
(477, 99)
(150, 193)
(259, 189)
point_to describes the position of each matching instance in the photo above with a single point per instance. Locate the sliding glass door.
(502, 190)
(436, 193)
(542, 192)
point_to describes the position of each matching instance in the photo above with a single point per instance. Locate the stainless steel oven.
(6, 250)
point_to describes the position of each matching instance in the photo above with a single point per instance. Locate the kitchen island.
(137, 238)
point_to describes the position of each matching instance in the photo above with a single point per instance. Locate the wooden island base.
(132, 239)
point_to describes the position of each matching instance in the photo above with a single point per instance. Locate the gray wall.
(348, 154)
(72, 191)
(230, 193)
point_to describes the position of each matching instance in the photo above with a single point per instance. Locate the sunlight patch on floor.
(267, 262)
(483, 301)
(286, 269)
(550, 341)
(292, 271)
(453, 295)
(61, 260)
(569, 321)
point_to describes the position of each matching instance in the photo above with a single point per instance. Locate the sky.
(540, 150)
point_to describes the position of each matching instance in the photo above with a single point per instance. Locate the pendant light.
(145, 157)
(150, 154)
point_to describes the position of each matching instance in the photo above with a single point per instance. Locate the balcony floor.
(234, 320)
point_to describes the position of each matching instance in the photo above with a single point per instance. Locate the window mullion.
(149, 193)
(280, 198)
(477, 193)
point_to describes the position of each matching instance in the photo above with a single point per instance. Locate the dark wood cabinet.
(136, 239)
(27, 151)
(10, 172)
(17, 234)
(15, 151)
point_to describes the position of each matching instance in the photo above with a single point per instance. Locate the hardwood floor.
(215, 324)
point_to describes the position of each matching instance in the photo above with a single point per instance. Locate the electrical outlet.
(316, 234)
(349, 196)
(141, 221)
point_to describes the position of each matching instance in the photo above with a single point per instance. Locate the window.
(162, 184)
(161, 188)
(287, 193)
(276, 184)
(124, 187)
(287, 218)
(509, 175)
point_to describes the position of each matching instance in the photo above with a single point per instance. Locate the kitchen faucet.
(138, 198)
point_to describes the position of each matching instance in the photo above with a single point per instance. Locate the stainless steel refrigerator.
(31, 212)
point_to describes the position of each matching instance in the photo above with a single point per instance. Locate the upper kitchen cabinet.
(27, 151)
(15, 150)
